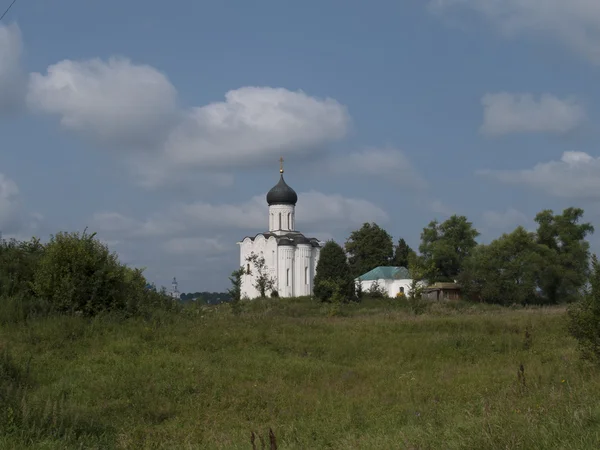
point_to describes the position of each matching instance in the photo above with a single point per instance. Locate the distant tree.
(584, 316)
(333, 274)
(263, 281)
(369, 247)
(566, 269)
(445, 246)
(402, 254)
(235, 292)
(506, 271)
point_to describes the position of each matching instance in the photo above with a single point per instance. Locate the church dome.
(281, 193)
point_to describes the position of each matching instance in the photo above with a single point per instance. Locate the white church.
(291, 258)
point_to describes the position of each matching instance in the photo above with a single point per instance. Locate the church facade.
(290, 257)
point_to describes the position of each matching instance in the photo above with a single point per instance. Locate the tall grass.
(370, 375)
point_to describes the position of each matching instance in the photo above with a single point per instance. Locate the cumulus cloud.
(386, 163)
(315, 209)
(506, 113)
(130, 106)
(255, 124)
(14, 220)
(575, 176)
(575, 23)
(503, 220)
(12, 77)
(115, 101)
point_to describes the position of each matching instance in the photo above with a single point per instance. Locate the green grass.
(367, 376)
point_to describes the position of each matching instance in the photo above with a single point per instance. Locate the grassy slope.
(376, 377)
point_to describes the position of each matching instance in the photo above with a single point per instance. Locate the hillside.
(370, 376)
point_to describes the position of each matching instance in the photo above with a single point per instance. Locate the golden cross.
(281, 165)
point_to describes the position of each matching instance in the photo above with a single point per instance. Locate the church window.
(248, 268)
(402, 289)
(280, 221)
(287, 277)
(305, 275)
(289, 221)
(273, 258)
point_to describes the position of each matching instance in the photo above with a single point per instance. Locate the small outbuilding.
(442, 291)
(393, 280)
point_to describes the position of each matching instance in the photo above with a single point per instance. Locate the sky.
(160, 125)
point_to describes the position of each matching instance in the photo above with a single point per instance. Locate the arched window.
(287, 277)
(289, 221)
(402, 289)
(273, 258)
(248, 268)
(305, 275)
(280, 221)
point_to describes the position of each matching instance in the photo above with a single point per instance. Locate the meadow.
(370, 375)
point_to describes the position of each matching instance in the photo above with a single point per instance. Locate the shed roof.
(386, 273)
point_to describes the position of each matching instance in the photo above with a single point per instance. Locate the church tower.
(282, 201)
(290, 257)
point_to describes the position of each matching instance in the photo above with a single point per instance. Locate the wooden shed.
(442, 291)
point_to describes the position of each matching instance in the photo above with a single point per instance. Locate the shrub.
(76, 273)
(584, 317)
(333, 274)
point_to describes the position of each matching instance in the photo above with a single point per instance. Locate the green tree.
(263, 281)
(402, 254)
(506, 271)
(584, 316)
(333, 274)
(566, 269)
(235, 292)
(445, 246)
(369, 247)
(78, 273)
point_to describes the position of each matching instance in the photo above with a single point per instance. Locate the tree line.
(547, 266)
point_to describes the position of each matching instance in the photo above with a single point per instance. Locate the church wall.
(304, 270)
(267, 248)
(288, 217)
(286, 270)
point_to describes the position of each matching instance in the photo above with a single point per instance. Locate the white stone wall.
(267, 248)
(282, 218)
(294, 268)
(304, 272)
(392, 287)
(286, 270)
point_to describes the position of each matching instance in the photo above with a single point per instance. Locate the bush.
(584, 317)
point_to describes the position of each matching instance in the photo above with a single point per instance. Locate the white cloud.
(256, 124)
(575, 176)
(129, 106)
(503, 220)
(387, 163)
(575, 23)
(12, 77)
(8, 202)
(314, 210)
(506, 113)
(115, 101)
(14, 220)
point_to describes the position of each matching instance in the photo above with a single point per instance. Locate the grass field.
(367, 376)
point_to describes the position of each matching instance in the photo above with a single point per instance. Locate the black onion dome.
(281, 193)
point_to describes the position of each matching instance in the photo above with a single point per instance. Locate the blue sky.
(160, 126)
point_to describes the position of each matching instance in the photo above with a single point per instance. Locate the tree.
(445, 246)
(566, 269)
(369, 247)
(584, 316)
(76, 273)
(402, 254)
(235, 292)
(263, 282)
(506, 271)
(333, 271)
